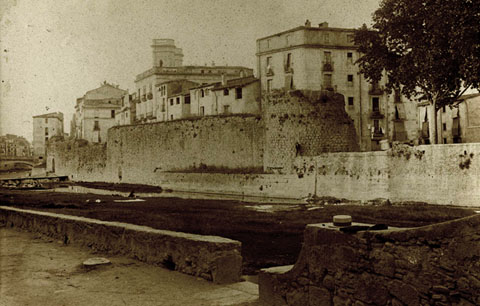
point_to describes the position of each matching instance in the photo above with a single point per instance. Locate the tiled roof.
(240, 82)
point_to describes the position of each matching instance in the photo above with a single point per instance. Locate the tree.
(428, 48)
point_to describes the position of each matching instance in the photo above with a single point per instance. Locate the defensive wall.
(304, 123)
(77, 159)
(210, 257)
(431, 265)
(437, 174)
(137, 153)
(294, 142)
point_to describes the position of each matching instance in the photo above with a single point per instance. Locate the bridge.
(17, 162)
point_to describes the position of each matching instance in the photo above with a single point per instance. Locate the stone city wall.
(77, 159)
(437, 174)
(213, 258)
(304, 123)
(137, 153)
(432, 265)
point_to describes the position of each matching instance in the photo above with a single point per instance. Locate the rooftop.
(58, 115)
(309, 28)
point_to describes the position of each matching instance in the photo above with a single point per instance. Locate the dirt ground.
(35, 271)
(271, 235)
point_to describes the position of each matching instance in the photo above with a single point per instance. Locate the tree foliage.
(428, 47)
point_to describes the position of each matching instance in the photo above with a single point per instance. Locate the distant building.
(14, 146)
(167, 65)
(95, 112)
(457, 124)
(323, 58)
(45, 127)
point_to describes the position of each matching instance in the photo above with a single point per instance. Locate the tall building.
(323, 58)
(45, 127)
(167, 65)
(95, 112)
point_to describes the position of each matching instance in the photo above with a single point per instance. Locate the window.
(96, 125)
(375, 104)
(46, 131)
(225, 92)
(350, 101)
(112, 113)
(349, 57)
(269, 69)
(46, 120)
(269, 85)
(171, 101)
(350, 38)
(226, 109)
(444, 140)
(287, 39)
(202, 93)
(328, 57)
(288, 64)
(444, 126)
(46, 138)
(326, 38)
(268, 43)
(171, 117)
(202, 110)
(444, 108)
(327, 81)
(187, 100)
(350, 79)
(238, 93)
(178, 100)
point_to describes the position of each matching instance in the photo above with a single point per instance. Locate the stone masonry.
(431, 265)
(304, 123)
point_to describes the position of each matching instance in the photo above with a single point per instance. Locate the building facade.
(167, 65)
(457, 124)
(14, 146)
(95, 112)
(235, 96)
(45, 127)
(323, 58)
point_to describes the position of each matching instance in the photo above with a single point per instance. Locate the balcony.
(150, 96)
(288, 69)
(329, 87)
(377, 134)
(144, 98)
(376, 114)
(375, 90)
(327, 66)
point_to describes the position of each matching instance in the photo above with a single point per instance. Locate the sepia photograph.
(248, 153)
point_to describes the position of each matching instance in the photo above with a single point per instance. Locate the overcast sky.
(53, 51)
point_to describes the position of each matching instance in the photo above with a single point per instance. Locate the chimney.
(308, 23)
(323, 25)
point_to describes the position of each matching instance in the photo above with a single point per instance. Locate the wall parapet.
(421, 266)
(211, 257)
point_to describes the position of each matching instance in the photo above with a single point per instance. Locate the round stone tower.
(165, 54)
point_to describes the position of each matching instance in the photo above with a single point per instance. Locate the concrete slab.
(36, 271)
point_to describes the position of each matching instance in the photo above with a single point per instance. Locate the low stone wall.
(431, 265)
(213, 258)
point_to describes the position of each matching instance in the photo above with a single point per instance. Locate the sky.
(53, 51)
